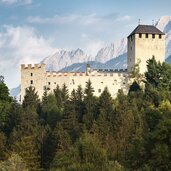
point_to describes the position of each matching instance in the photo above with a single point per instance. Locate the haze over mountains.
(112, 56)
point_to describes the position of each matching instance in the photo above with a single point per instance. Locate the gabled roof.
(150, 29)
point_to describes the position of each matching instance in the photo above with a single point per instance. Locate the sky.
(31, 30)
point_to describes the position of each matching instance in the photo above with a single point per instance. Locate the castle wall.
(40, 78)
(114, 81)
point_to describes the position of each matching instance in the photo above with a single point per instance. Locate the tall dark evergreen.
(70, 121)
(31, 98)
(58, 95)
(5, 104)
(90, 104)
(80, 106)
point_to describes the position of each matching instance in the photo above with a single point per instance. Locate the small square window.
(140, 35)
(146, 35)
(54, 82)
(31, 82)
(160, 36)
(31, 74)
(99, 90)
(153, 36)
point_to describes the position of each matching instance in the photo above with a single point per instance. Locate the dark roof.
(150, 29)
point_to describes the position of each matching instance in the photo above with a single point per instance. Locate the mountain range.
(113, 56)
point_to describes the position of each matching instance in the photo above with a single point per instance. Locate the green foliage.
(51, 113)
(2, 146)
(31, 98)
(4, 93)
(90, 102)
(81, 132)
(13, 163)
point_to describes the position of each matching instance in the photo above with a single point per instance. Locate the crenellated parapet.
(35, 66)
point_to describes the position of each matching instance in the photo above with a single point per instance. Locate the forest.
(82, 132)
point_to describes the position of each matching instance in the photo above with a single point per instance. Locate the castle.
(144, 42)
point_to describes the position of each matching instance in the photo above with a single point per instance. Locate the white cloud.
(86, 20)
(21, 45)
(18, 2)
(91, 46)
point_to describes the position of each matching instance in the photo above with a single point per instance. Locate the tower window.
(140, 35)
(48, 83)
(160, 36)
(31, 74)
(146, 35)
(31, 82)
(153, 36)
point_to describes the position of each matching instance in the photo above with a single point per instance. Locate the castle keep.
(144, 42)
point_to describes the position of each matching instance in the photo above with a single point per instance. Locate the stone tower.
(145, 42)
(33, 76)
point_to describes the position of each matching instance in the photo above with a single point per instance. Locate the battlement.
(112, 70)
(35, 66)
(96, 73)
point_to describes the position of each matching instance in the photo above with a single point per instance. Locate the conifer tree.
(105, 103)
(80, 106)
(31, 98)
(64, 95)
(58, 95)
(4, 91)
(90, 104)
(5, 103)
(25, 138)
(70, 117)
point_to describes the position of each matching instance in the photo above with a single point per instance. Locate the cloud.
(21, 45)
(17, 2)
(91, 45)
(86, 20)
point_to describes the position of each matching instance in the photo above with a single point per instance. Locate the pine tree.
(31, 98)
(25, 137)
(5, 103)
(64, 95)
(70, 118)
(52, 112)
(4, 91)
(105, 103)
(58, 95)
(90, 104)
(80, 106)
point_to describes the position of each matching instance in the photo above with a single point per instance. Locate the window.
(153, 36)
(131, 47)
(99, 90)
(140, 35)
(48, 83)
(31, 82)
(160, 36)
(54, 82)
(146, 35)
(31, 74)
